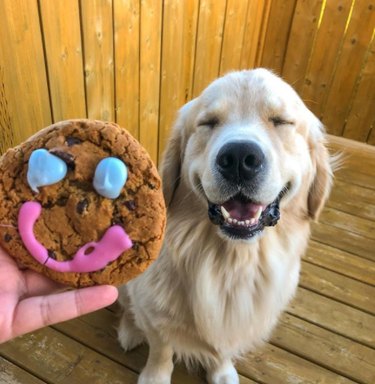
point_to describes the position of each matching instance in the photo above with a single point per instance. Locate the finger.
(39, 285)
(37, 312)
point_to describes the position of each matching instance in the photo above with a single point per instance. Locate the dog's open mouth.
(242, 218)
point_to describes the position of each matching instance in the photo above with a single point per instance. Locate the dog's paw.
(152, 377)
(225, 374)
(129, 335)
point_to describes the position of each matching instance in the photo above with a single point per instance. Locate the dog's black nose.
(241, 160)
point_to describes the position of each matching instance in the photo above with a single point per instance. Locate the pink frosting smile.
(114, 242)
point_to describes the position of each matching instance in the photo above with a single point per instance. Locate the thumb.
(41, 311)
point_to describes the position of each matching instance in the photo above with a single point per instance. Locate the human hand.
(29, 301)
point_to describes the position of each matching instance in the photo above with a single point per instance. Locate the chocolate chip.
(7, 237)
(116, 221)
(130, 204)
(65, 156)
(61, 202)
(151, 186)
(135, 246)
(81, 206)
(51, 254)
(70, 141)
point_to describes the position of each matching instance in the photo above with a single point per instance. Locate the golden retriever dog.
(244, 173)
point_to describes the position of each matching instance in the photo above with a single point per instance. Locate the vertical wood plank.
(254, 33)
(371, 137)
(61, 30)
(24, 105)
(357, 39)
(209, 41)
(362, 112)
(127, 52)
(235, 22)
(150, 42)
(301, 38)
(6, 128)
(97, 27)
(179, 34)
(327, 46)
(277, 33)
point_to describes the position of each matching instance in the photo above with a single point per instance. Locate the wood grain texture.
(300, 41)
(350, 359)
(343, 289)
(233, 35)
(324, 54)
(209, 41)
(274, 365)
(277, 33)
(178, 53)
(12, 374)
(334, 316)
(361, 115)
(97, 28)
(357, 38)
(62, 36)
(150, 57)
(56, 358)
(253, 41)
(343, 262)
(24, 105)
(127, 50)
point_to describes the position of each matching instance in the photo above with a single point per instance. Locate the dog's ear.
(170, 168)
(322, 181)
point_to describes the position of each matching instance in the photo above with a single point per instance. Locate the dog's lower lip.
(260, 216)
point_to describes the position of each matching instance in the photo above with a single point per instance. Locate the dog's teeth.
(253, 221)
(234, 221)
(247, 222)
(230, 220)
(259, 212)
(225, 213)
(241, 223)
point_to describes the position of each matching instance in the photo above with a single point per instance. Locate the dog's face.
(246, 145)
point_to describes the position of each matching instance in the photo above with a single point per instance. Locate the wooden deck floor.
(327, 334)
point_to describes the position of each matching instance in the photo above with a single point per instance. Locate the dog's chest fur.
(232, 292)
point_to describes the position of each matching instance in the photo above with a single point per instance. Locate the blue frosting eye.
(44, 169)
(110, 176)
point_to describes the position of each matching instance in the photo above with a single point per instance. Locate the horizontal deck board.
(93, 331)
(344, 240)
(325, 348)
(348, 222)
(338, 287)
(353, 199)
(341, 262)
(56, 358)
(334, 316)
(12, 374)
(274, 365)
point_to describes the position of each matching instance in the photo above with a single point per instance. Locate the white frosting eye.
(44, 169)
(110, 177)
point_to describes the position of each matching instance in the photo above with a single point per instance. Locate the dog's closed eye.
(277, 120)
(209, 121)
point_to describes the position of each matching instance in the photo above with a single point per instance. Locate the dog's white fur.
(209, 298)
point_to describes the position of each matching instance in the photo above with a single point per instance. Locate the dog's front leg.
(223, 372)
(159, 366)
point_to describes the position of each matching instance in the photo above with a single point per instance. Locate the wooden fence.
(137, 61)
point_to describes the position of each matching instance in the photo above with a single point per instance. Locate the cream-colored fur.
(209, 298)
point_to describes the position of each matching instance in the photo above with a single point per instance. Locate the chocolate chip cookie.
(81, 202)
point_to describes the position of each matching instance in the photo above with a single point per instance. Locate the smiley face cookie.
(81, 202)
